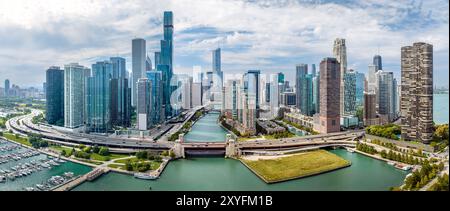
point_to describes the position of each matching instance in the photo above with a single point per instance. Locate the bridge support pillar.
(231, 150)
(178, 149)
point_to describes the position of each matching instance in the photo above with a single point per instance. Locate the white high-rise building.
(74, 95)
(138, 54)
(186, 91)
(196, 94)
(274, 95)
(340, 53)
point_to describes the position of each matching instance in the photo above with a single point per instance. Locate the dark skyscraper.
(165, 65)
(254, 91)
(330, 77)
(120, 104)
(55, 96)
(377, 62)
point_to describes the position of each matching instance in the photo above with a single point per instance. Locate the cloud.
(271, 35)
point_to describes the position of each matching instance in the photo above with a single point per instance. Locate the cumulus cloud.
(271, 35)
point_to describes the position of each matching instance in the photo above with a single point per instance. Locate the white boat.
(145, 176)
(391, 163)
(350, 150)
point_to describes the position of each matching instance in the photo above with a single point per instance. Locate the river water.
(217, 173)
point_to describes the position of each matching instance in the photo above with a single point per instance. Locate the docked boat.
(69, 174)
(350, 150)
(40, 186)
(391, 163)
(2, 179)
(403, 167)
(145, 176)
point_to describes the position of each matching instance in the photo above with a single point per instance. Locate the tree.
(104, 151)
(128, 166)
(142, 155)
(172, 154)
(442, 132)
(165, 153)
(87, 149)
(95, 149)
(63, 153)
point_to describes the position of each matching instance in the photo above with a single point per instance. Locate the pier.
(80, 179)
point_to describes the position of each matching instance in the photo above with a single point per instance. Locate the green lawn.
(21, 139)
(89, 161)
(296, 165)
(154, 165)
(111, 156)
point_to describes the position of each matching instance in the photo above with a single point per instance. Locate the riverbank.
(276, 169)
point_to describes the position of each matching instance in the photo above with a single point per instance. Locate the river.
(217, 173)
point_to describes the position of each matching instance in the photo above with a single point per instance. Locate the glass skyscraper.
(360, 78)
(165, 63)
(7, 86)
(120, 105)
(99, 97)
(304, 90)
(251, 84)
(377, 62)
(349, 93)
(55, 96)
(156, 111)
(386, 96)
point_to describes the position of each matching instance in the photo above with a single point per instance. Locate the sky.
(269, 35)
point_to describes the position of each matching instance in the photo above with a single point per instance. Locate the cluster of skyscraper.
(103, 97)
(333, 96)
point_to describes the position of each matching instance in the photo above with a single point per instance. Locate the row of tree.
(441, 185)
(420, 178)
(400, 157)
(392, 146)
(366, 148)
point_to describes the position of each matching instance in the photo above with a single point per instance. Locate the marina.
(23, 169)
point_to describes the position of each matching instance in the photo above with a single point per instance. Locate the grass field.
(296, 165)
(20, 139)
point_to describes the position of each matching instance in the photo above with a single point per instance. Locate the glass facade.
(377, 62)
(99, 97)
(304, 90)
(55, 96)
(165, 65)
(120, 105)
(360, 78)
(156, 112)
(349, 93)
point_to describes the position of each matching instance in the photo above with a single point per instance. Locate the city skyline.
(245, 45)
